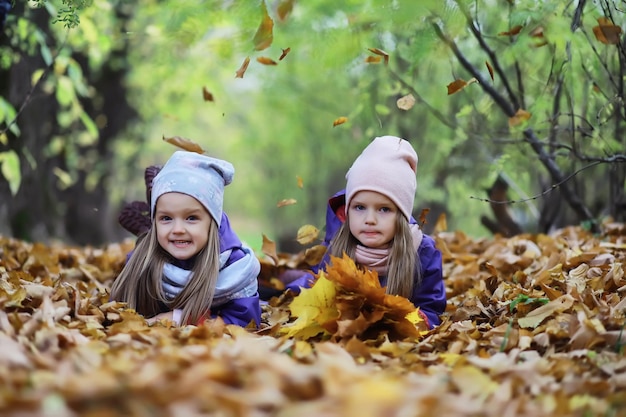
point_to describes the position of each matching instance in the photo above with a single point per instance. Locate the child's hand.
(162, 316)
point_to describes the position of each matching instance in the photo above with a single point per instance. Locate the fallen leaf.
(458, 85)
(607, 32)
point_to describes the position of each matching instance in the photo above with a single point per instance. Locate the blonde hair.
(139, 283)
(404, 271)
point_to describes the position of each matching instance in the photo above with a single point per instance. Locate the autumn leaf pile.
(534, 327)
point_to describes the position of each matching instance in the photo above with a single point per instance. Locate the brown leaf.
(520, 117)
(269, 249)
(373, 59)
(490, 69)
(459, 84)
(406, 103)
(339, 121)
(513, 31)
(607, 32)
(265, 33)
(207, 95)
(266, 61)
(283, 9)
(242, 69)
(184, 143)
(422, 217)
(286, 202)
(381, 53)
(284, 53)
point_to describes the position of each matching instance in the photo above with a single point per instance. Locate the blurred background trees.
(514, 101)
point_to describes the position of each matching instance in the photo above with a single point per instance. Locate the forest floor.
(534, 327)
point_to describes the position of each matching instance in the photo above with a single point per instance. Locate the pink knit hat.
(387, 165)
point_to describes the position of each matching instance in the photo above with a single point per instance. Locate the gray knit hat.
(196, 175)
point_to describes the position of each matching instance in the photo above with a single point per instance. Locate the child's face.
(182, 225)
(372, 219)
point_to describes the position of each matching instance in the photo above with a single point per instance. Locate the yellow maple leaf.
(314, 307)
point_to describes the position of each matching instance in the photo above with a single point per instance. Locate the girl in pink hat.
(371, 222)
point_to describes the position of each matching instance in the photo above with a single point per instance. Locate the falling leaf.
(607, 32)
(442, 223)
(284, 9)
(406, 103)
(513, 31)
(307, 234)
(184, 143)
(286, 202)
(458, 85)
(269, 249)
(490, 69)
(242, 69)
(266, 61)
(519, 117)
(299, 181)
(284, 53)
(536, 32)
(373, 59)
(422, 217)
(264, 35)
(340, 120)
(207, 95)
(381, 53)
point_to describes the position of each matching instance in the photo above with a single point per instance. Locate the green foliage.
(10, 169)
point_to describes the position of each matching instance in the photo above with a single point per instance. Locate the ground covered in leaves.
(534, 327)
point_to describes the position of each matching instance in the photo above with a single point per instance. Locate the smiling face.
(182, 225)
(372, 219)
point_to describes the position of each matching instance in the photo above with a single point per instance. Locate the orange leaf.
(266, 61)
(286, 202)
(185, 144)
(207, 95)
(406, 103)
(340, 120)
(490, 69)
(458, 85)
(284, 9)
(606, 32)
(380, 52)
(373, 59)
(242, 69)
(423, 215)
(513, 31)
(264, 35)
(519, 117)
(284, 53)
(300, 182)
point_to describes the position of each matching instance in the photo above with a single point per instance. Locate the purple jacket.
(238, 311)
(430, 296)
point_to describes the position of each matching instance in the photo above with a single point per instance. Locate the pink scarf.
(378, 259)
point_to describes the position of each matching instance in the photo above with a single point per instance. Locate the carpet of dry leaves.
(534, 327)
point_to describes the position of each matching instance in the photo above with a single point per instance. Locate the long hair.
(139, 283)
(404, 270)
